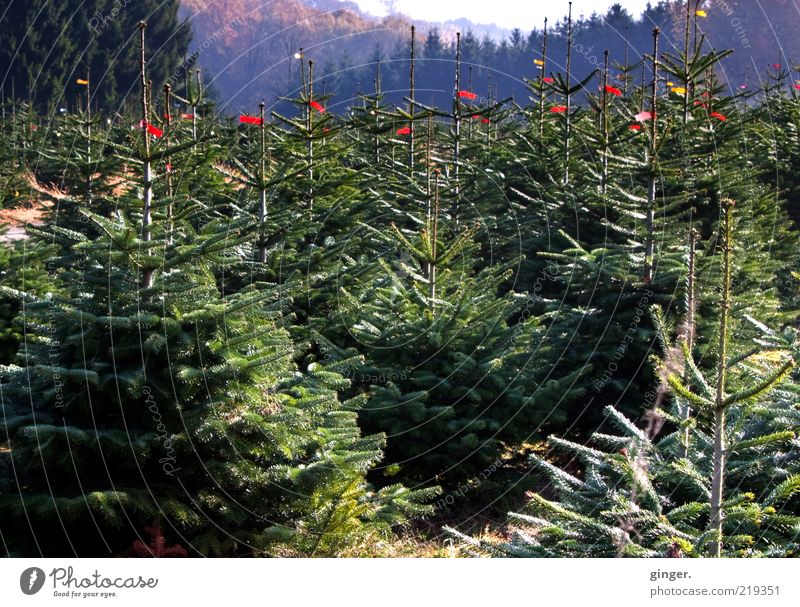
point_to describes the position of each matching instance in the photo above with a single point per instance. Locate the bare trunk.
(309, 127)
(377, 139)
(543, 96)
(686, 63)
(429, 272)
(262, 218)
(649, 245)
(88, 137)
(262, 191)
(691, 307)
(457, 126)
(649, 248)
(604, 123)
(714, 547)
(147, 185)
(627, 65)
(569, 96)
(411, 104)
(168, 117)
(434, 236)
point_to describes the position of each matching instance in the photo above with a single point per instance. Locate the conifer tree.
(449, 375)
(144, 396)
(649, 493)
(47, 47)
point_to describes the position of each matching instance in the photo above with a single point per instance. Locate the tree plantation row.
(341, 334)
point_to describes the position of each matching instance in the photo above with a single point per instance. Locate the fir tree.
(144, 394)
(48, 48)
(724, 492)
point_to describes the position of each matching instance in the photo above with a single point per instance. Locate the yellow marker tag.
(679, 89)
(701, 13)
(538, 62)
(82, 81)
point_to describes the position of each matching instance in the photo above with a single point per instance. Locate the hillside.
(247, 48)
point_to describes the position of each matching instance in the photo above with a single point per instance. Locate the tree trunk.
(717, 476)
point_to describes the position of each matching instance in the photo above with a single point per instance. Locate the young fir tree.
(21, 263)
(25, 265)
(145, 396)
(301, 196)
(720, 483)
(450, 374)
(590, 221)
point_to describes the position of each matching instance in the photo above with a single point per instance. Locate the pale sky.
(525, 14)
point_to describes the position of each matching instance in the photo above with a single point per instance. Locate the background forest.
(553, 318)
